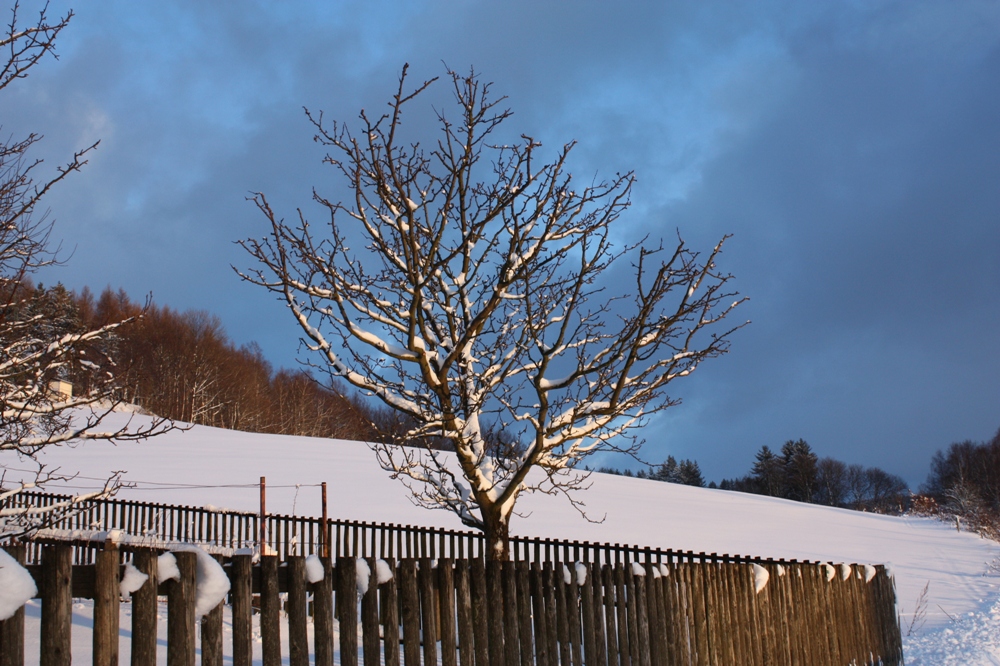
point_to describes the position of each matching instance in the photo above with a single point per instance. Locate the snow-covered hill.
(208, 466)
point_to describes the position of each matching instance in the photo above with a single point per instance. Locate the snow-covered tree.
(41, 344)
(474, 284)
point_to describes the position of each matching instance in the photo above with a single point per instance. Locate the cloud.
(851, 149)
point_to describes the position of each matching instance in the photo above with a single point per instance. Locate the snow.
(954, 566)
(16, 585)
(211, 581)
(760, 578)
(132, 580)
(364, 574)
(581, 573)
(314, 569)
(638, 569)
(383, 572)
(166, 568)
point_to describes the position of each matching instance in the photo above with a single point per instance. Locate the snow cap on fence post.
(828, 571)
(314, 569)
(166, 568)
(760, 578)
(870, 572)
(581, 573)
(132, 580)
(211, 581)
(845, 571)
(364, 573)
(383, 572)
(16, 585)
(638, 569)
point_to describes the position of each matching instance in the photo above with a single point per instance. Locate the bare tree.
(39, 349)
(484, 296)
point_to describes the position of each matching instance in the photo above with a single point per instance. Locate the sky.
(852, 150)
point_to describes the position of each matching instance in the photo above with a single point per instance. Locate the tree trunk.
(497, 531)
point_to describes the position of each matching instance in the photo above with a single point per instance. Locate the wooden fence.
(226, 532)
(473, 613)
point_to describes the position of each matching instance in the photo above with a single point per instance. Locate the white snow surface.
(954, 565)
(16, 585)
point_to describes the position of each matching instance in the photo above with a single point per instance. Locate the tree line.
(964, 485)
(798, 474)
(183, 366)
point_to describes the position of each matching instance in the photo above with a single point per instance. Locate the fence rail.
(468, 612)
(230, 532)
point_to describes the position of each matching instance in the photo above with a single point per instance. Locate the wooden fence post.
(323, 616)
(369, 618)
(480, 616)
(57, 605)
(180, 612)
(12, 629)
(390, 607)
(241, 591)
(107, 600)
(270, 611)
(144, 610)
(211, 633)
(428, 614)
(347, 610)
(298, 636)
(466, 653)
(446, 603)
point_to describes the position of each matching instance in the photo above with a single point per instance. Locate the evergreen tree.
(689, 474)
(768, 472)
(800, 470)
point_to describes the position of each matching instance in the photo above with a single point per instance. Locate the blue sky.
(851, 148)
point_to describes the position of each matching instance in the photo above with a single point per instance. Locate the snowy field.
(206, 466)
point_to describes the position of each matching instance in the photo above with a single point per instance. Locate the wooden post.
(587, 610)
(144, 609)
(347, 607)
(263, 516)
(389, 601)
(480, 615)
(241, 589)
(107, 601)
(466, 656)
(57, 605)
(370, 639)
(323, 616)
(512, 639)
(270, 609)
(410, 608)
(298, 636)
(211, 636)
(573, 609)
(12, 629)
(325, 529)
(446, 597)
(180, 612)
(494, 611)
(428, 615)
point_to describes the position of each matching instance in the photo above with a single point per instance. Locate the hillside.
(209, 466)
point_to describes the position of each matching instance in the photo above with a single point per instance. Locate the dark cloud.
(851, 149)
